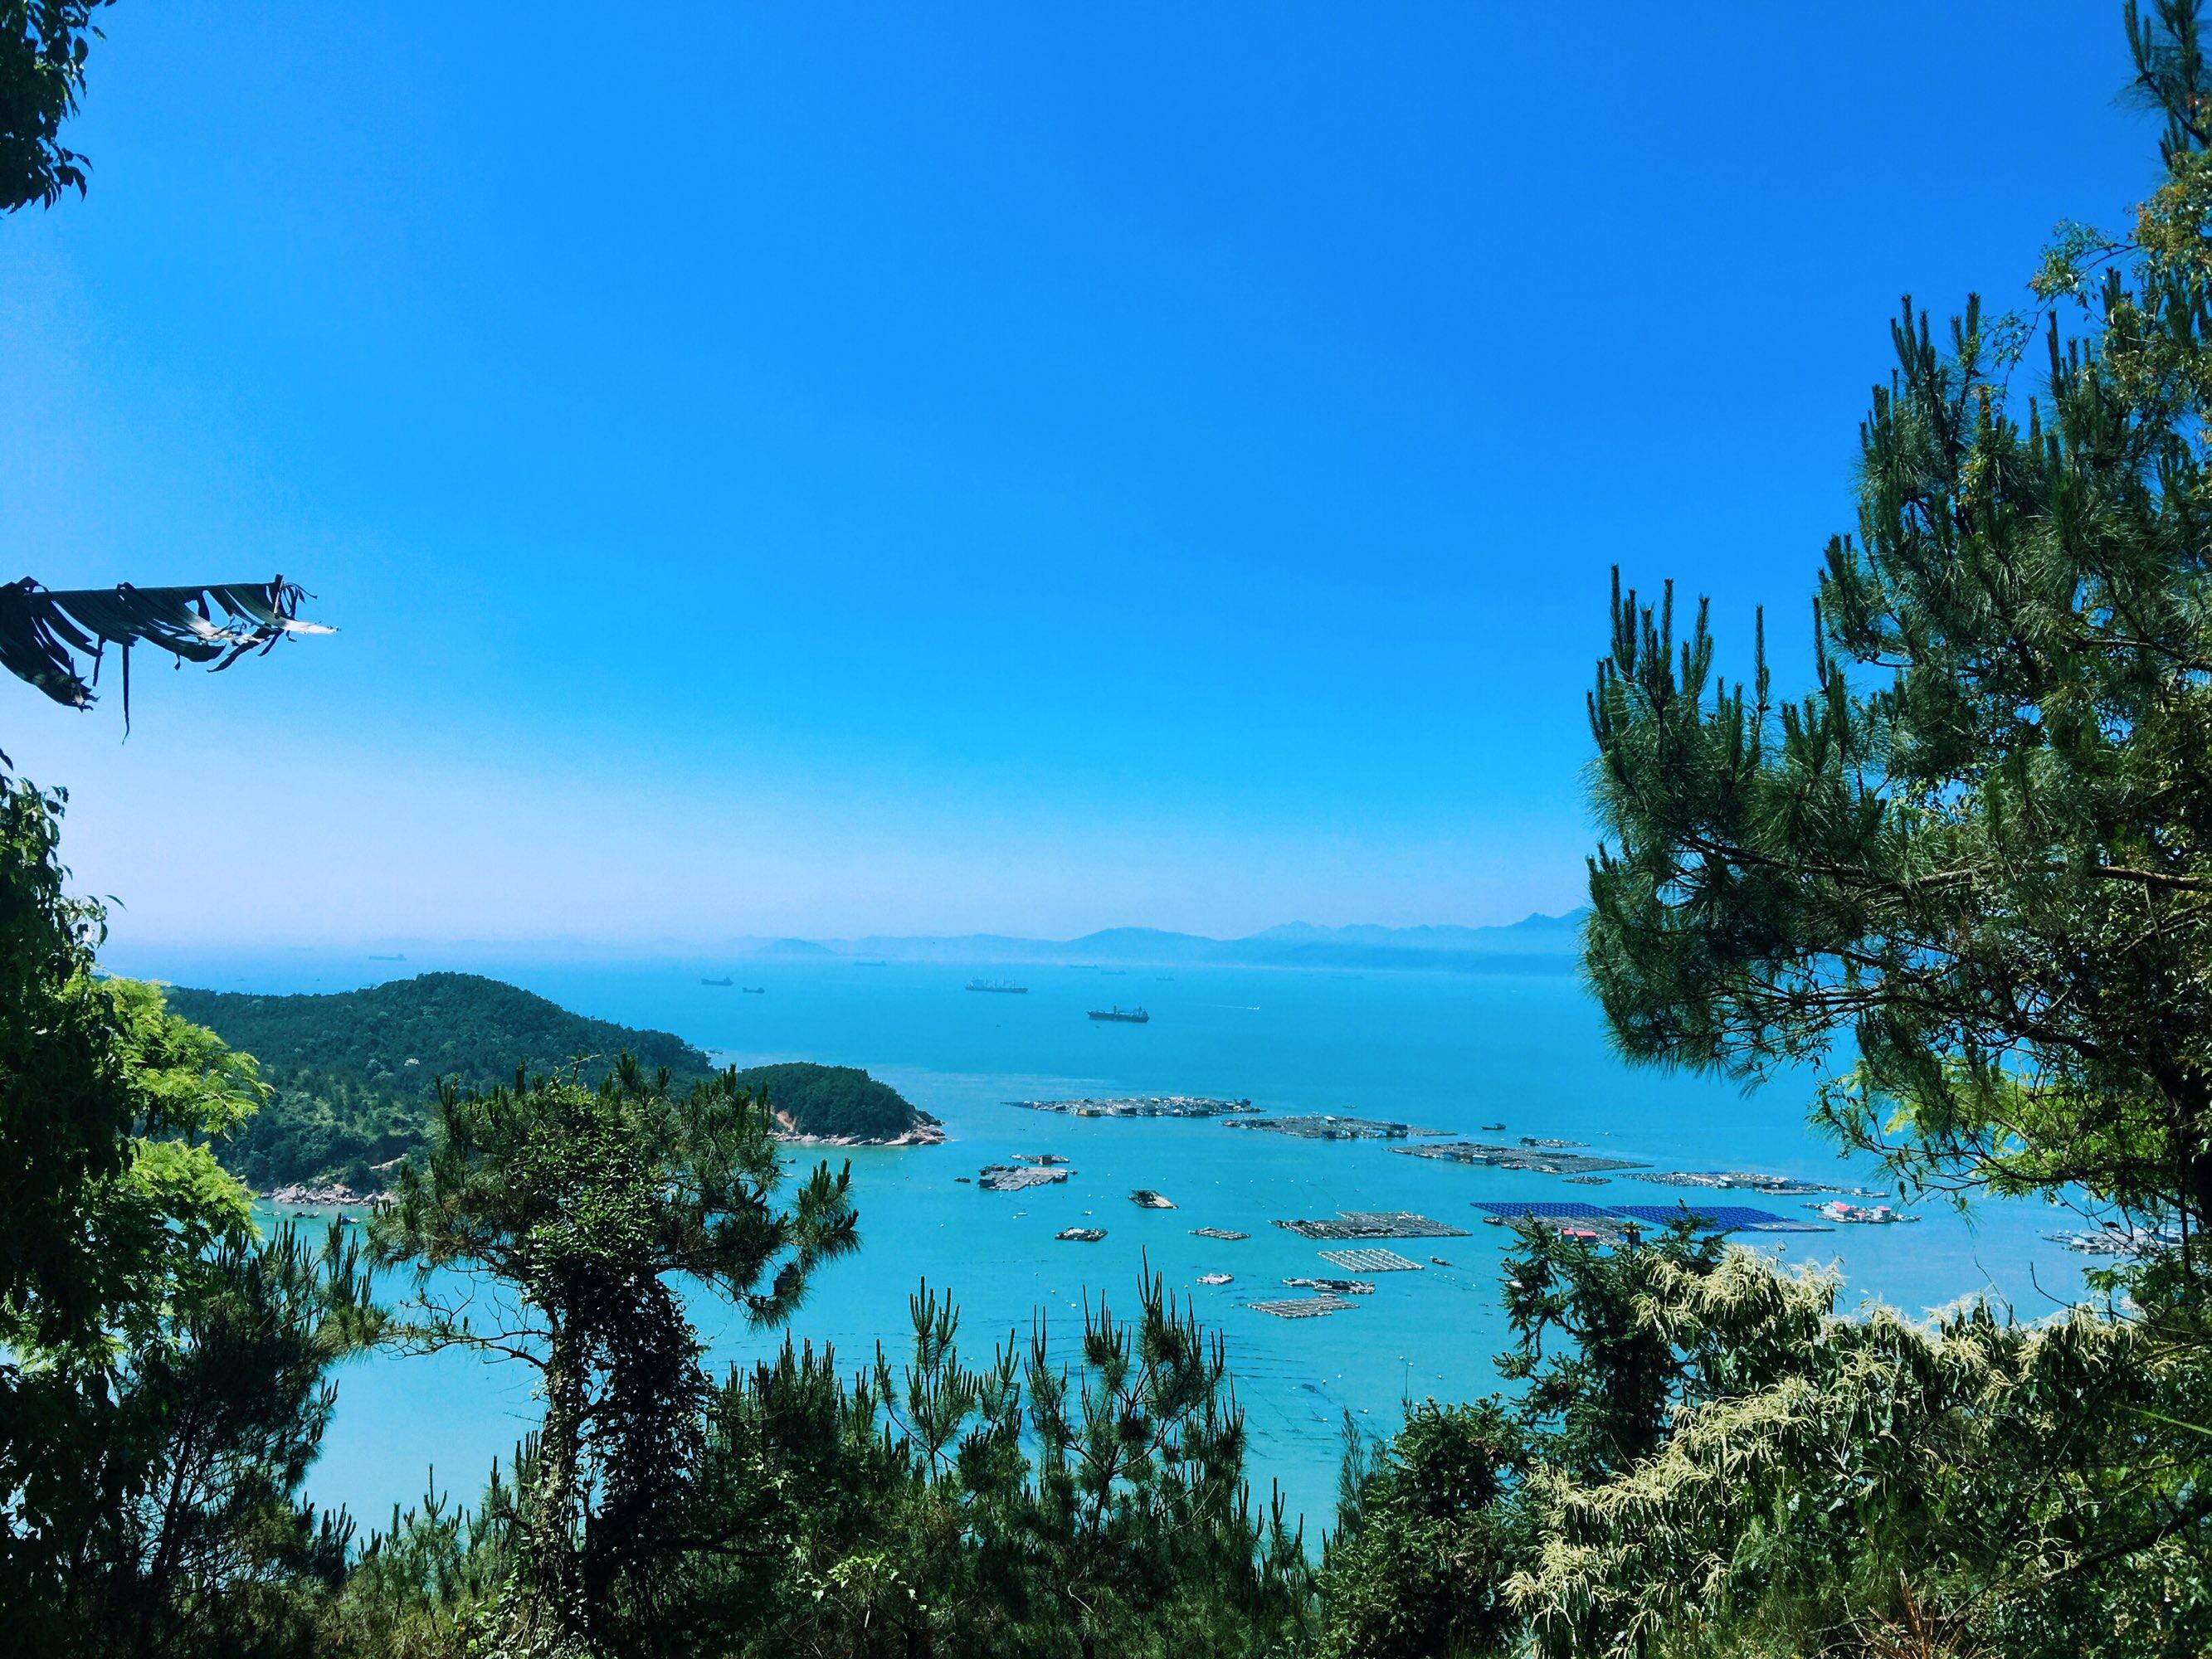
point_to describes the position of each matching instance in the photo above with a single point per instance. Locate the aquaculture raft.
(1325, 1127)
(1533, 1155)
(1371, 1262)
(1374, 1224)
(1015, 1177)
(1302, 1307)
(1606, 1218)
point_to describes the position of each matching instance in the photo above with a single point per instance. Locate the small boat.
(1124, 1016)
(754, 990)
(998, 986)
(1214, 1278)
(1081, 1235)
(1439, 1262)
(703, 981)
(1146, 1198)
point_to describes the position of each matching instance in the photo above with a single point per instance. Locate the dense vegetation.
(831, 1100)
(352, 1076)
(1971, 863)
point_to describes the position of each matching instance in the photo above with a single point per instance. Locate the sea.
(1446, 1050)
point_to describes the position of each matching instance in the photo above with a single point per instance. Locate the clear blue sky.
(816, 469)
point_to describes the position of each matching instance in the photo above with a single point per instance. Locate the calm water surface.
(1445, 1051)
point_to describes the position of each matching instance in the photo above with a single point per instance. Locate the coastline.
(928, 1131)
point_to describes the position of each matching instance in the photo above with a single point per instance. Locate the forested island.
(353, 1074)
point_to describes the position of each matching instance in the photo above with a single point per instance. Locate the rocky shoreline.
(324, 1195)
(926, 1132)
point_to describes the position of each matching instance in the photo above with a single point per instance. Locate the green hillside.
(355, 1072)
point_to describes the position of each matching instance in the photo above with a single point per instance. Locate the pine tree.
(1975, 857)
(571, 1210)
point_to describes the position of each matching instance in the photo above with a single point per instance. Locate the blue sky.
(828, 469)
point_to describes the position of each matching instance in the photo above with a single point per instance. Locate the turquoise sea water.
(1444, 1050)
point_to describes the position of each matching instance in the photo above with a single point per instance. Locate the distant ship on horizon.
(1000, 986)
(704, 981)
(1126, 1016)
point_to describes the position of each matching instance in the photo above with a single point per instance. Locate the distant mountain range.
(1538, 943)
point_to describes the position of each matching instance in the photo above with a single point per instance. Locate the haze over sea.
(1449, 1050)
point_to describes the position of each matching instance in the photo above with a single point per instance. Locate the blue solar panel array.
(1714, 1217)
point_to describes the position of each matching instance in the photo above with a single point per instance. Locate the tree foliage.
(1970, 865)
(575, 1207)
(1973, 856)
(354, 1075)
(164, 1384)
(202, 1544)
(43, 47)
(56, 640)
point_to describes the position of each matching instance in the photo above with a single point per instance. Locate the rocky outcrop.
(926, 1132)
(324, 1195)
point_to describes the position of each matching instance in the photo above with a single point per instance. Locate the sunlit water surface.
(1444, 1050)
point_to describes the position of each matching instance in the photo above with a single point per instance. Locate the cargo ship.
(704, 981)
(1126, 1016)
(998, 986)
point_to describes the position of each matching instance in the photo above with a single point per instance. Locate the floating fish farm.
(1371, 1262)
(1539, 1157)
(1324, 1128)
(1302, 1307)
(1610, 1218)
(1013, 1177)
(1138, 1106)
(1352, 1226)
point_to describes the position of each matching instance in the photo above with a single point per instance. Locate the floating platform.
(1325, 1127)
(1228, 1233)
(1353, 1224)
(1536, 1156)
(1332, 1286)
(1371, 1262)
(1138, 1106)
(1608, 1219)
(1858, 1215)
(1302, 1307)
(1013, 1177)
(1729, 1180)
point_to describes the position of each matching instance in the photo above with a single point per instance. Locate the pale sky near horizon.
(830, 469)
